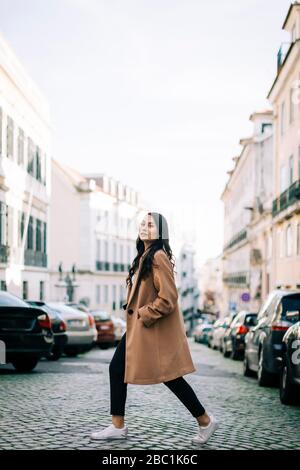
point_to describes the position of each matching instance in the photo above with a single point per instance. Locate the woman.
(154, 348)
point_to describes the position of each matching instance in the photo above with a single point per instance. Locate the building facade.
(25, 146)
(247, 201)
(94, 226)
(284, 96)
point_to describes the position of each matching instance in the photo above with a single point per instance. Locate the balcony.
(286, 199)
(240, 236)
(238, 278)
(35, 258)
(4, 253)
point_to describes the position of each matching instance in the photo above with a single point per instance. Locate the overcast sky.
(156, 93)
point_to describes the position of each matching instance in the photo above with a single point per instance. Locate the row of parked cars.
(268, 342)
(30, 330)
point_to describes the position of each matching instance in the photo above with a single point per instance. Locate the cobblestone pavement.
(60, 403)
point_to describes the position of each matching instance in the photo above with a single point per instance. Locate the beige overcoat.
(157, 348)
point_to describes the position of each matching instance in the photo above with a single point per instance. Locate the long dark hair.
(162, 242)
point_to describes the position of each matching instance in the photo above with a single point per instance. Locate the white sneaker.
(111, 432)
(205, 432)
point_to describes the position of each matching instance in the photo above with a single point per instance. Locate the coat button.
(130, 310)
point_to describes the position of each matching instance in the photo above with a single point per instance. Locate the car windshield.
(101, 316)
(9, 300)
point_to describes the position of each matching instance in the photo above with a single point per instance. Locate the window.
(30, 152)
(38, 163)
(10, 137)
(42, 290)
(288, 240)
(291, 164)
(106, 294)
(280, 243)
(30, 234)
(114, 296)
(283, 178)
(98, 294)
(282, 122)
(38, 236)
(106, 250)
(21, 147)
(25, 290)
(3, 285)
(98, 250)
(45, 237)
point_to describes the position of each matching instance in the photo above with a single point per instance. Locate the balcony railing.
(35, 258)
(242, 235)
(116, 267)
(4, 253)
(287, 198)
(240, 278)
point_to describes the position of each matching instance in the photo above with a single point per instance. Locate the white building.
(186, 280)
(24, 180)
(247, 201)
(211, 287)
(94, 226)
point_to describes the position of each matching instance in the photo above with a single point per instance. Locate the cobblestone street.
(59, 404)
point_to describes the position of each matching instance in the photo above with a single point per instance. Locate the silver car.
(80, 332)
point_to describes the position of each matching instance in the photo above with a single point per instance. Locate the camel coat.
(157, 349)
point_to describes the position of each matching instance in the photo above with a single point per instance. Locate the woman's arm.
(167, 294)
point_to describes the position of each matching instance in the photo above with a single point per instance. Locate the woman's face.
(148, 230)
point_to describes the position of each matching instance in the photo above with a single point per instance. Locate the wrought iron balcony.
(287, 198)
(35, 258)
(4, 253)
(242, 235)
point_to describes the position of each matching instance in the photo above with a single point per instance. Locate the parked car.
(263, 343)
(219, 329)
(80, 329)
(234, 337)
(201, 331)
(119, 328)
(25, 331)
(58, 327)
(105, 327)
(290, 367)
(82, 308)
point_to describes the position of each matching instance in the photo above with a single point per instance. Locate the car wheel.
(288, 392)
(25, 364)
(265, 379)
(246, 370)
(225, 352)
(103, 345)
(234, 353)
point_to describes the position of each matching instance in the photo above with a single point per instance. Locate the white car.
(81, 331)
(120, 328)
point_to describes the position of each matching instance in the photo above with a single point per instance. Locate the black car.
(263, 344)
(58, 327)
(234, 337)
(25, 332)
(290, 367)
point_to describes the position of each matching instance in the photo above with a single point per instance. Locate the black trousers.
(118, 389)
